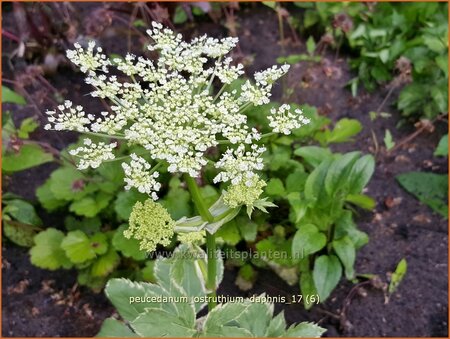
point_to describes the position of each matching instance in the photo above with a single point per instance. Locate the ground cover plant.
(343, 185)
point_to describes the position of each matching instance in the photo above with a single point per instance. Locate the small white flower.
(89, 60)
(137, 174)
(92, 155)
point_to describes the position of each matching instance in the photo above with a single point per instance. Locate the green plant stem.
(210, 238)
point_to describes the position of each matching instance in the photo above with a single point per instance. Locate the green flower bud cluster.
(244, 193)
(192, 237)
(151, 224)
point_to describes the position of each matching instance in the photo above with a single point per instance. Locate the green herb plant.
(177, 125)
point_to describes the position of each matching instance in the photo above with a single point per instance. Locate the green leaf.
(157, 323)
(123, 205)
(47, 252)
(22, 211)
(307, 240)
(128, 247)
(275, 188)
(361, 173)
(180, 15)
(398, 275)
(307, 287)
(344, 225)
(9, 96)
(90, 206)
(177, 200)
(344, 130)
(105, 264)
(298, 205)
(27, 126)
(19, 233)
(229, 233)
(442, 62)
(221, 321)
(47, 199)
(78, 247)
(388, 141)
(310, 45)
(67, 183)
(247, 228)
(271, 4)
(314, 186)
(87, 225)
(337, 177)
(313, 155)
(442, 147)
(30, 155)
(430, 188)
(361, 200)
(295, 182)
(112, 328)
(276, 327)
(345, 250)
(99, 242)
(304, 330)
(326, 274)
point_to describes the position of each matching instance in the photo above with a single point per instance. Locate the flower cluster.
(244, 194)
(283, 120)
(92, 154)
(137, 174)
(169, 108)
(192, 237)
(151, 224)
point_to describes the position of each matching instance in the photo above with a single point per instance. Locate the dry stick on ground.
(423, 125)
(342, 317)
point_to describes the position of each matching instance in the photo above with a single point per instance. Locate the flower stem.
(210, 238)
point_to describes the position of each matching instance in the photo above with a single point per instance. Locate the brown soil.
(44, 303)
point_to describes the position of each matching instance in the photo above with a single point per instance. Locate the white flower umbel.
(138, 175)
(69, 118)
(92, 155)
(239, 165)
(89, 60)
(169, 107)
(282, 120)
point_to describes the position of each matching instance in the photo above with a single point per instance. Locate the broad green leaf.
(326, 274)
(29, 155)
(90, 206)
(158, 323)
(361, 200)
(112, 328)
(47, 199)
(313, 155)
(123, 205)
(229, 233)
(85, 278)
(307, 240)
(337, 177)
(298, 205)
(78, 247)
(47, 252)
(295, 182)
(344, 130)
(19, 233)
(99, 242)
(223, 317)
(128, 247)
(398, 275)
(275, 188)
(442, 147)
(345, 226)
(105, 264)
(430, 188)
(256, 318)
(87, 225)
(177, 201)
(388, 141)
(315, 192)
(361, 173)
(67, 183)
(247, 228)
(22, 211)
(307, 287)
(27, 126)
(345, 250)
(9, 96)
(304, 330)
